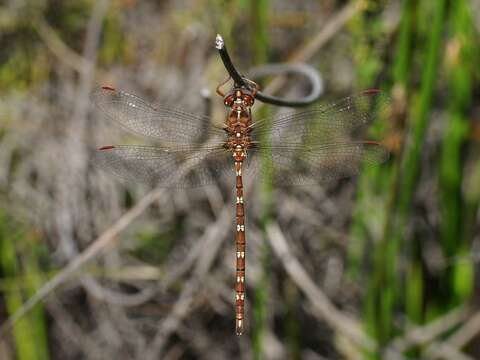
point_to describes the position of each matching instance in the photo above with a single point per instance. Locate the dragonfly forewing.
(349, 118)
(167, 125)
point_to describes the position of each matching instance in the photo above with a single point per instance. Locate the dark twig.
(313, 76)
(273, 69)
(227, 62)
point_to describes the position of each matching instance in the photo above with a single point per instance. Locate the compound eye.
(229, 100)
(248, 100)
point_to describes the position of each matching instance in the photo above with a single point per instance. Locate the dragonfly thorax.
(238, 122)
(238, 132)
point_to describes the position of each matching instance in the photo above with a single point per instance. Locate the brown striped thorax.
(239, 121)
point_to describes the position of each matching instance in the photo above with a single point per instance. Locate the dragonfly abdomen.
(240, 251)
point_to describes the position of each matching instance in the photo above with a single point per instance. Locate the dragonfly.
(314, 146)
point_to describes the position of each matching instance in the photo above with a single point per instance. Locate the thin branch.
(227, 62)
(421, 335)
(55, 44)
(444, 350)
(307, 71)
(336, 319)
(182, 307)
(331, 28)
(114, 297)
(467, 332)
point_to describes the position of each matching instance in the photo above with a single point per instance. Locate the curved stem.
(308, 71)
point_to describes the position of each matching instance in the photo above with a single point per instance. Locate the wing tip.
(108, 87)
(380, 147)
(371, 91)
(108, 147)
(372, 142)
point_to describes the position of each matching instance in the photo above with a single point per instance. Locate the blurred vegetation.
(414, 225)
(21, 278)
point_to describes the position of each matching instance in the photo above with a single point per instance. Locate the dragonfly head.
(239, 99)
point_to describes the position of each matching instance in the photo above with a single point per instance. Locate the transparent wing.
(321, 144)
(171, 126)
(316, 164)
(343, 120)
(309, 147)
(179, 168)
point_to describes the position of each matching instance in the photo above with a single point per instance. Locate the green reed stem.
(259, 10)
(461, 70)
(30, 332)
(411, 296)
(385, 285)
